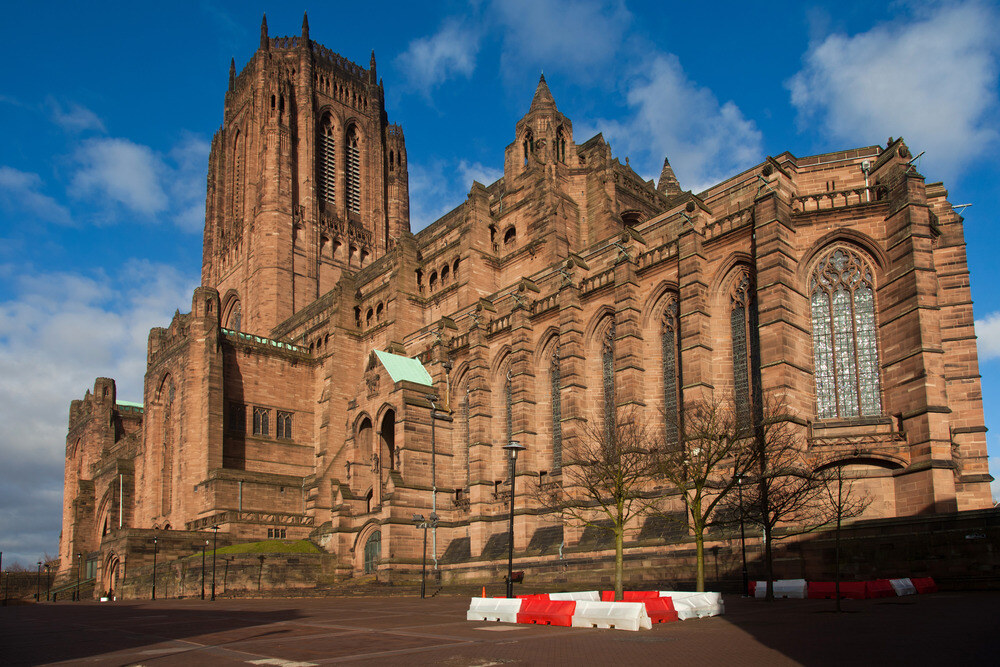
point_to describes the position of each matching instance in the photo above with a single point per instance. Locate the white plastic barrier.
(494, 609)
(903, 586)
(689, 604)
(784, 588)
(617, 615)
(593, 596)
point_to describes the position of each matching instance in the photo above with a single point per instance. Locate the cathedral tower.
(307, 180)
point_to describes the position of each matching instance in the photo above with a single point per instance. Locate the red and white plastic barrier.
(584, 609)
(851, 590)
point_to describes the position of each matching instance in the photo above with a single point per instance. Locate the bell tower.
(307, 180)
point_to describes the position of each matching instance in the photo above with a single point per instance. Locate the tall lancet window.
(608, 378)
(554, 376)
(238, 177)
(466, 436)
(845, 345)
(326, 166)
(353, 172)
(508, 404)
(742, 324)
(670, 347)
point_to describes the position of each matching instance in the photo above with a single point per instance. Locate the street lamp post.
(38, 583)
(204, 546)
(215, 542)
(743, 537)
(512, 448)
(155, 549)
(420, 522)
(79, 561)
(48, 582)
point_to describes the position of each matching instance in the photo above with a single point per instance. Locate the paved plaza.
(941, 628)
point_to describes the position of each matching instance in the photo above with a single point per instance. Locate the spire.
(668, 184)
(232, 72)
(305, 27)
(543, 97)
(265, 43)
(372, 78)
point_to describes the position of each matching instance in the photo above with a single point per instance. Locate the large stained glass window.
(556, 410)
(845, 349)
(670, 341)
(740, 316)
(608, 376)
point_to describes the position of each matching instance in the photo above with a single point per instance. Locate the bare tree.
(845, 502)
(712, 452)
(606, 480)
(782, 489)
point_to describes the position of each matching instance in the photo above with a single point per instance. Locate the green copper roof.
(404, 368)
(129, 404)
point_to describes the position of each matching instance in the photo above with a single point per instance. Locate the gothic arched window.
(845, 345)
(560, 147)
(353, 172)
(743, 329)
(238, 168)
(608, 379)
(528, 145)
(670, 348)
(326, 162)
(554, 376)
(508, 403)
(466, 436)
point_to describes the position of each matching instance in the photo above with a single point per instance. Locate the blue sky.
(107, 110)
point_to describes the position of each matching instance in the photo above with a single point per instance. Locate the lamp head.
(513, 447)
(417, 518)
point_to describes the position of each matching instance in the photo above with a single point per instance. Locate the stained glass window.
(739, 323)
(608, 374)
(845, 346)
(669, 340)
(556, 410)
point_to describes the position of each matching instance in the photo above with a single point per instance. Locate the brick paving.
(943, 628)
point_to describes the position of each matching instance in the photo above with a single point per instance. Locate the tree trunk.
(836, 557)
(699, 542)
(768, 563)
(619, 559)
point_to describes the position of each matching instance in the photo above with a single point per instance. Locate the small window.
(510, 236)
(261, 417)
(285, 425)
(237, 418)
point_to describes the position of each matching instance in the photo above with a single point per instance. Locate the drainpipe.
(241, 495)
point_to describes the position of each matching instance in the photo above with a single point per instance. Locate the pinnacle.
(543, 96)
(668, 184)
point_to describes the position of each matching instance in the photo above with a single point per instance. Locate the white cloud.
(121, 174)
(124, 172)
(450, 52)
(571, 36)
(76, 118)
(441, 185)
(673, 117)
(58, 332)
(932, 80)
(20, 191)
(988, 333)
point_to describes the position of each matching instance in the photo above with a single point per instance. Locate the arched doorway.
(373, 552)
(109, 582)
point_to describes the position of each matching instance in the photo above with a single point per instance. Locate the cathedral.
(338, 374)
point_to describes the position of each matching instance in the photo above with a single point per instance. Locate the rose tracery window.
(845, 346)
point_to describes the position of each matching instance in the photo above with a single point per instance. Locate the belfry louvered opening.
(327, 162)
(353, 172)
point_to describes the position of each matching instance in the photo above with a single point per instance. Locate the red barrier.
(924, 584)
(853, 590)
(751, 588)
(824, 590)
(639, 596)
(547, 612)
(534, 596)
(879, 588)
(629, 596)
(659, 610)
